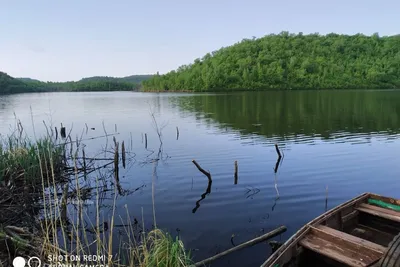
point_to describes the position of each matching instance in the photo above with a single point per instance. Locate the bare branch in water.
(206, 173)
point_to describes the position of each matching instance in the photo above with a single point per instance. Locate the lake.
(340, 143)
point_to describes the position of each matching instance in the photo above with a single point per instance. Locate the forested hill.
(291, 61)
(133, 78)
(10, 85)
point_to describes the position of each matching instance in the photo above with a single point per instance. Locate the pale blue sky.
(67, 40)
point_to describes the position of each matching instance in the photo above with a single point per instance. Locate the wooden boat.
(364, 231)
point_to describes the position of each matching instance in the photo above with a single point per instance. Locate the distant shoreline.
(203, 92)
(266, 90)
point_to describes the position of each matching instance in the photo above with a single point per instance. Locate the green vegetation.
(137, 79)
(296, 114)
(36, 220)
(23, 162)
(130, 83)
(290, 61)
(160, 249)
(10, 85)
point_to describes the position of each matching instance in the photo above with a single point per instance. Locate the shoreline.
(213, 91)
(265, 90)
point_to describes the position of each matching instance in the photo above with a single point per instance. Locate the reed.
(23, 161)
(153, 248)
(64, 229)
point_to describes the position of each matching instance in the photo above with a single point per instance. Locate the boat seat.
(342, 247)
(380, 212)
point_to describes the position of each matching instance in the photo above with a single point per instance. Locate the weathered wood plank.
(341, 235)
(349, 216)
(334, 251)
(345, 243)
(380, 212)
(371, 234)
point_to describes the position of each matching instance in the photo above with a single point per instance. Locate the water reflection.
(300, 116)
(203, 196)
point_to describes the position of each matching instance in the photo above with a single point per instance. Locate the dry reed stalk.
(84, 162)
(116, 161)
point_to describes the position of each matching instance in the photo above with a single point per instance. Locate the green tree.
(290, 61)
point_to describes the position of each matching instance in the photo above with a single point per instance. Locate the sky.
(71, 39)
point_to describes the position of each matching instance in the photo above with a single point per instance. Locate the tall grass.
(153, 248)
(160, 249)
(22, 160)
(63, 227)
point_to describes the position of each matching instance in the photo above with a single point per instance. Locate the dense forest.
(10, 85)
(291, 61)
(137, 79)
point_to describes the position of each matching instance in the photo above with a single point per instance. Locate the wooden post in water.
(123, 153)
(62, 131)
(177, 133)
(145, 140)
(326, 198)
(236, 172)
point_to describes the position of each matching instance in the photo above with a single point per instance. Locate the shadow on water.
(203, 196)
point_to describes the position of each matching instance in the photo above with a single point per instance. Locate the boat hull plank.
(340, 249)
(380, 212)
(341, 235)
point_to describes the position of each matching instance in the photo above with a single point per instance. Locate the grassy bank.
(25, 168)
(37, 181)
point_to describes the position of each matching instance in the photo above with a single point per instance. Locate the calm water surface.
(346, 141)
